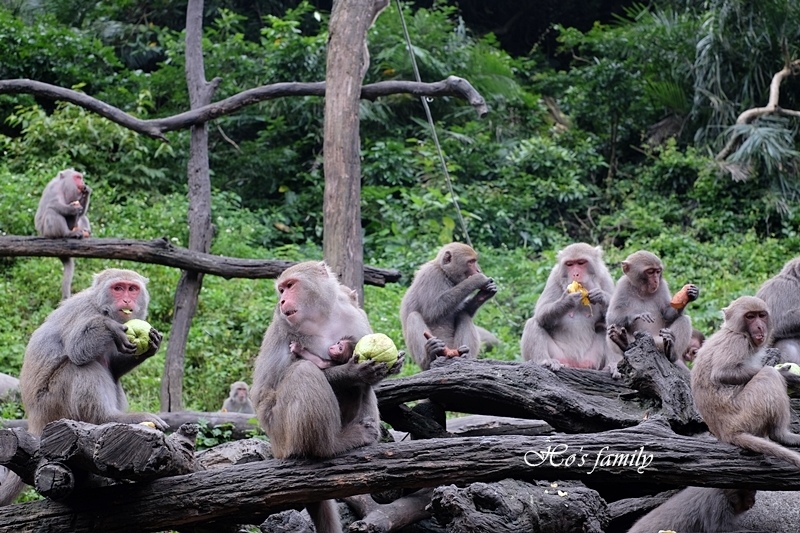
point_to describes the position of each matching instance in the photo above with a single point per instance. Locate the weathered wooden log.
(383, 518)
(648, 453)
(513, 505)
(19, 452)
(234, 453)
(241, 425)
(163, 252)
(520, 390)
(662, 382)
(472, 425)
(69, 450)
(121, 451)
(623, 513)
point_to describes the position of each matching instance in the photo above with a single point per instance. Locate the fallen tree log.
(514, 505)
(648, 453)
(240, 425)
(568, 399)
(68, 450)
(163, 252)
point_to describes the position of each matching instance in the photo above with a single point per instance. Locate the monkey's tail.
(325, 515)
(66, 282)
(10, 486)
(765, 446)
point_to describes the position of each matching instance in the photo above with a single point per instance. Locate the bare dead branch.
(162, 252)
(749, 115)
(156, 128)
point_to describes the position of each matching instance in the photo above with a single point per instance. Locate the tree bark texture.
(200, 235)
(341, 243)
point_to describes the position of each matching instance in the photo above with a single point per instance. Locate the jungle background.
(605, 119)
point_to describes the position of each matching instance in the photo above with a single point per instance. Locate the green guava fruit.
(377, 347)
(138, 333)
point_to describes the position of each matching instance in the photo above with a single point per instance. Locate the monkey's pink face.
(577, 269)
(756, 322)
(289, 292)
(77, 178)
(241, 394)
(652, 278)
(125, 295)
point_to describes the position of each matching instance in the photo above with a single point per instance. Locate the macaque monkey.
(568, 328)
(442, 301)
(238, 400)
(308, 411)
(698, 510)
(339, 352)
(62, 213)
(782, 295)
(742, 401)
(642, 302)
(688, 357)
(75, 359)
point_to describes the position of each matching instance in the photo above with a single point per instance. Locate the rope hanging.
(427, 108)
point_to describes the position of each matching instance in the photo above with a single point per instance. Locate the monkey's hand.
(552, 364)
(121, 341)
(370, 371)
(488, 290)
(153, 345)
(644, 317)
(398, 365)
(612, 369)
(138, 418)
(618, 335)
(434, 347)
(296, 348)
(668, 343)
(692, 292)
(597, 296)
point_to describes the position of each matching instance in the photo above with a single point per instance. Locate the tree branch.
(156, 128)
(162, 252)
(748, 116)
(247, 493)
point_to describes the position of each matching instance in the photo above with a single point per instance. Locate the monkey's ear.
(726, 313)
(447, 257)
(599, 250)
(323, 269)
(626, 267)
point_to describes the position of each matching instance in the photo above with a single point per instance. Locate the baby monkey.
(338, 353)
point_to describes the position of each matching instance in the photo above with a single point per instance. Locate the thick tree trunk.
(342, 244)
(200, 93)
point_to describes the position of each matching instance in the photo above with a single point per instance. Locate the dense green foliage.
(580, 154)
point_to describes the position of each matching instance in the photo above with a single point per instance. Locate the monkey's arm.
(121, 363)
(452, 301)
(66, 210)
(352, 374)
(787, 325)
(549, 314)
(484, 294)
(99, 337)
(734, 374)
